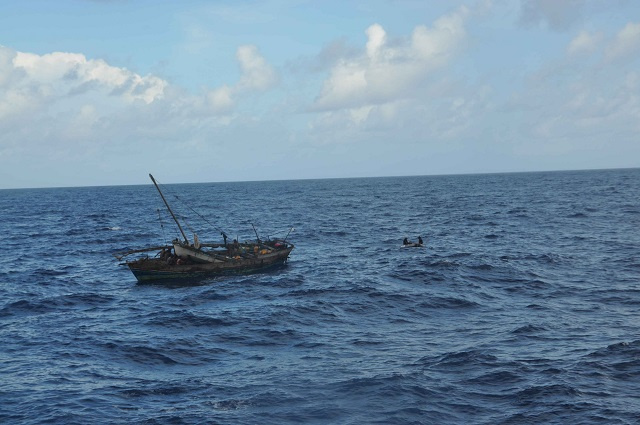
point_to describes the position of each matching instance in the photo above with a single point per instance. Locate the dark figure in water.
(419, 240)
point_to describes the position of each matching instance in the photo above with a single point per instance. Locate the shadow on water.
(186, 282)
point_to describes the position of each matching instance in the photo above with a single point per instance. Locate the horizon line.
(332, 178)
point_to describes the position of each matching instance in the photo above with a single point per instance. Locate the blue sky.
(104, 92)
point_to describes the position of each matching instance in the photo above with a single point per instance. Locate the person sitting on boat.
(165, 254)
(406, 242)
(419, 240)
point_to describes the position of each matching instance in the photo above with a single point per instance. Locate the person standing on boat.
(233, 248)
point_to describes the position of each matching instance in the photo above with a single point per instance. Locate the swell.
(521, 307)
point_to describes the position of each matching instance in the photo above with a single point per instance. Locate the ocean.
(522, 308)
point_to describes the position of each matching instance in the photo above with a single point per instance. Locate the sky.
(104, 92)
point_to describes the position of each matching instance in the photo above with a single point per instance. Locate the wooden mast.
(169, 208)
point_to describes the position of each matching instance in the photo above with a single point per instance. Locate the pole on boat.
(169, 208)
(256, 232)
(290, 230)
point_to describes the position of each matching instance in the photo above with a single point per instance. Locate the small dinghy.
(408, 244)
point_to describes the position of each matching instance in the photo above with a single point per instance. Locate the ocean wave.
(528, 330)
(186, 353)
(184, 320)
(447, 303)
(534, 325)
(60, 303)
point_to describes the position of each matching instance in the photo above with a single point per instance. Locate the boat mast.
(169, 208)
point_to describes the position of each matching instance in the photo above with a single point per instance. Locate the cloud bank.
(436, 98)
(387, 72)
(60, 97)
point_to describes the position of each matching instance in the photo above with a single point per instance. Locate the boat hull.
(149, 269)
(189, 261)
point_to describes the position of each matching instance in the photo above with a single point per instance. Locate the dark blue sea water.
(524, 308)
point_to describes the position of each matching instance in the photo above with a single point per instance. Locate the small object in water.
(406, 243)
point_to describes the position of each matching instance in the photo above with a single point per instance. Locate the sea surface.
(523, 308)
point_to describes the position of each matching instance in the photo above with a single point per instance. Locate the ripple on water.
(522, 307)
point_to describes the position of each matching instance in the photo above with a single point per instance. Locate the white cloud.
(449, 112)
(385, 73)
(220, 99)
(626, 45)
(389, 95)
(584, 43)
(68, 107)
(377, 38)
(257, 74)
(71, 70)
(439, 43)
(6, 64)
(30, 82)
(589, 101)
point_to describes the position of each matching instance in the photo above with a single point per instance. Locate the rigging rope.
(222, 232)
(198, 214)
(192, 210)
(164, 238)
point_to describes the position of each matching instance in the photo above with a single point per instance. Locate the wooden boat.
(200, 260)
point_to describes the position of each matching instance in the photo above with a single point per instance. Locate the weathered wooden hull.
(151, 269)
(190, 261)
